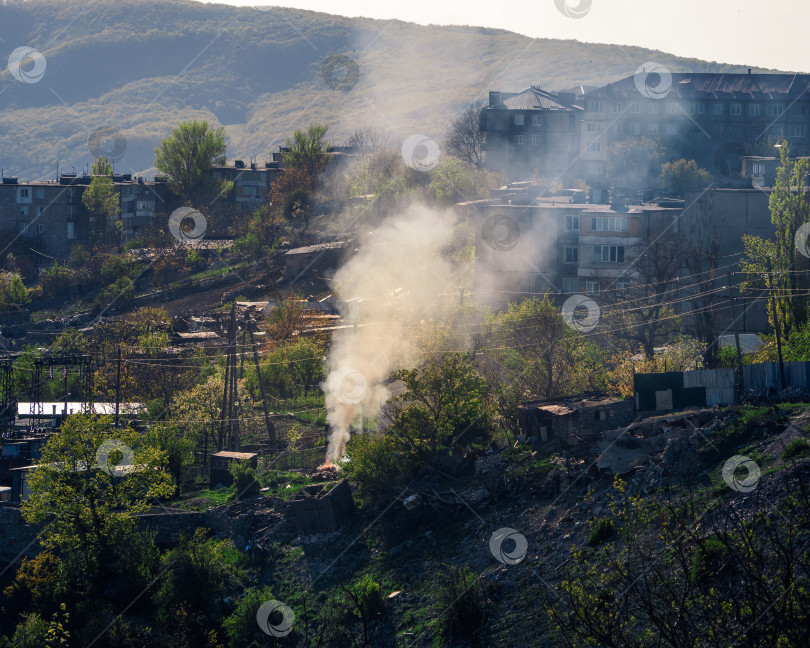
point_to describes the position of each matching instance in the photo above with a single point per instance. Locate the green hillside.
(140, 66)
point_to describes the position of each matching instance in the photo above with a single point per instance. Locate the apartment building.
(251, 183)
(714, 118)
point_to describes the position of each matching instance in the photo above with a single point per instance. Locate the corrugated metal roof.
(534, 99)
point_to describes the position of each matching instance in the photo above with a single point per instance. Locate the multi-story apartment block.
(713, 118)
(251, 183)
(532, 134)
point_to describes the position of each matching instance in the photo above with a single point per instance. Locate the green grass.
(278, 480)
(796, 448)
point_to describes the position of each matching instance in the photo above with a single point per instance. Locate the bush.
(116, 267)
(241, 626)
(462, 598)
(602, 531)
(708, 560)
(796, 448)
(245, 484)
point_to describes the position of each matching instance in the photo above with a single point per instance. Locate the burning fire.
(328, 465)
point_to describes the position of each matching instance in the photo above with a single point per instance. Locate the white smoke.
(397, 281)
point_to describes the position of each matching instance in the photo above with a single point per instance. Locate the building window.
(697, 108)
(537, 120)
(572, 255)
(656, 108)
(24, 193)
(518, 121)
(572, 223)
(250, 191)
(617, 106)
(591, 286)
(39, 210)
(40, 193)
(634, 128)
(777, 131)
(735, 110)
(594, 147)
(24, 228)
(798, 130)
(798, 110)
(758, 169)
(623, 283)
(593, 127)
(536, 140)
(40, 228)
(596, 106)
(673, 108)
(634, 107)
(753, 110)
(718, 109)
(570, 285)
(518, 139)
(609, 224)
(23, 210)
(774, 110)
(671, 129)
(608, 253)
(652, 128)
(71, 230)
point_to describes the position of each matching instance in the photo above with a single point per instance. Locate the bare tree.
(464, 137)
(368, 140)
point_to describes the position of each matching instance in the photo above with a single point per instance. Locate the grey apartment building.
(714, 118)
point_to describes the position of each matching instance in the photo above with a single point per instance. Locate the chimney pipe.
(749, 70)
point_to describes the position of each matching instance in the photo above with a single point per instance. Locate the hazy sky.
(762, 33)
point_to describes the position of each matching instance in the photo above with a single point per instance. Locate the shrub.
(708, 560)
(796, 448)
(462, 597)
(245, 484)
(601, 532)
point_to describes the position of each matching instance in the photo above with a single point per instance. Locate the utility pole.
(118, 386)
(740, 378)
(776, 327)
(271, 429)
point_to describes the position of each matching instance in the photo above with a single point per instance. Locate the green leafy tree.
(92, 478)
(306, 150)
(13, 293)
(682, 175)
(187, 157)
(103, 203)
(452, 180)
(178, 448)
(788, 282)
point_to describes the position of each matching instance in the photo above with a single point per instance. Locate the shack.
(219, 470)
(322, 508)
(572, 421)
(323, 256)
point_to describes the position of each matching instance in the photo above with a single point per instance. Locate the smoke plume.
(393, 283)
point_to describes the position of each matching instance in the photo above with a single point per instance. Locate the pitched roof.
(711, 85)
(534, 99)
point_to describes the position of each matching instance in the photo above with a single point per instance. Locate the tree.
(464, 137)
(368, 140)
(682, 175)
(452, 180)
(634, 163)
(787, 283)
(177, 447)
(187, 157)
(306, 151)
(93, 501)
(13, 293)
(103, 203)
